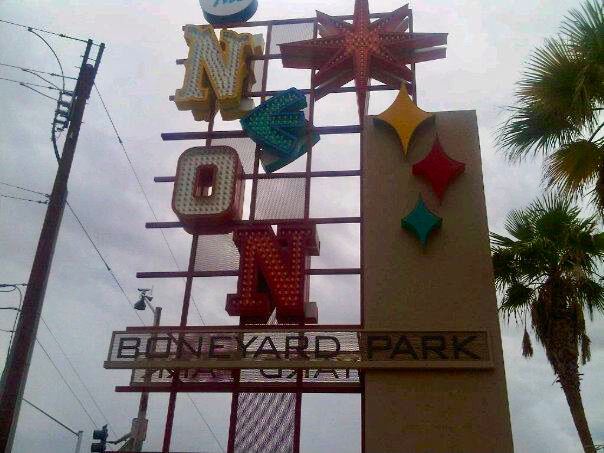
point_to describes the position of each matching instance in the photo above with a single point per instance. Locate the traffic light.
(100, 435)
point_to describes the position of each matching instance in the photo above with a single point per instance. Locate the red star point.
(439, 169)
(363, 50)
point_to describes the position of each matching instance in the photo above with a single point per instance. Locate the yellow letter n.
(217, 73)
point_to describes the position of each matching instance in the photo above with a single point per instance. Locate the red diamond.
(439, 169)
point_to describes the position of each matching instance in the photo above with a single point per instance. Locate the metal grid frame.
(255, 176)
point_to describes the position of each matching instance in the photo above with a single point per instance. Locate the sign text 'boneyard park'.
(332, 348)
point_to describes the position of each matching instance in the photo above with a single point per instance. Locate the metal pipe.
(316, 221)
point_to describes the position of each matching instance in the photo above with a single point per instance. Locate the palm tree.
(559, 104)
(547, 269)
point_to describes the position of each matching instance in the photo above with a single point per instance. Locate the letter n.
(272, 272)
(217, 72)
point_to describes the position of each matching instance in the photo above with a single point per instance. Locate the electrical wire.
(36, 70)
(98, 252)
(10, 290)
(31, 30)
(205, 422)
(142, 322)
(51, 417)
(15, 287)
(140, 185)
(24, 189)
(39, 92)
(10, 342)
(53, 130)
(41, 78)
(21, 82)
(96, 249)
(94, 424)
(61, 35)
(142, 189)
(23, 199)
(77, 374)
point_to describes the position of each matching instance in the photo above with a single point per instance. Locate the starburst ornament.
(363, 50)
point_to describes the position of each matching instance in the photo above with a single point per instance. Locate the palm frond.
(517, 299)
(590, 295)
(561, 89)
(519, 225)
(584, 30)
(527, 346)
(574, 167)
(557, 81)
(530, 130)
(504, 267)
(597, 193)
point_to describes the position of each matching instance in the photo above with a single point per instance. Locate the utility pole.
(79, 442)
(17, 366)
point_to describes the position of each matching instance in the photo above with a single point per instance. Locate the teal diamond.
(421, 221)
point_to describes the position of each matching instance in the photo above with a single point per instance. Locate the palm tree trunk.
(556, 324)
(575, 403)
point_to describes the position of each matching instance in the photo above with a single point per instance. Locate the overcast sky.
(489, 41)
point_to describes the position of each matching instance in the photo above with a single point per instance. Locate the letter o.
(208, 189)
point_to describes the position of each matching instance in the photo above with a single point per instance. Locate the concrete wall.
(448, 285)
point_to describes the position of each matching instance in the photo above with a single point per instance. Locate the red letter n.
(272, 272)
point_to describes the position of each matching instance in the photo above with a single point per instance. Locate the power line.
(24, 189)
(61, 35)
(94, 424)
(77, 374)
(96, 249)
(140, 185)
(52, 74)
(205, 421)
(43, 79)
(142, 189)
(21, 82)
(98, 252)
(39, 92)
(53, 130)
(128, 299)
(142, 322)
(12, 334)
(23, 199)
(53, 52)
(51, 417)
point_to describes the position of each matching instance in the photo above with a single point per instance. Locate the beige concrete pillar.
(448, 285)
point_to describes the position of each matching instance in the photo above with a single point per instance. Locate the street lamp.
(139, 424)
(144, 300)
